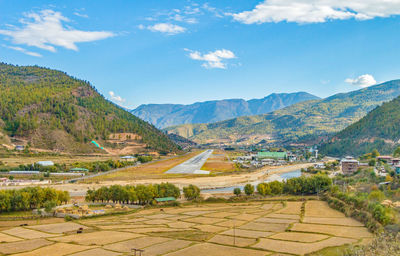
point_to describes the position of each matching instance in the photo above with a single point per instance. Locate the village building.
(397, 169)
(271, 155)
(386, 159)
(349, 165)
(45, 163)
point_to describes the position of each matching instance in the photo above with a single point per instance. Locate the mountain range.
(301, 122)
(49, 110)
(165, 115)
(379, 129)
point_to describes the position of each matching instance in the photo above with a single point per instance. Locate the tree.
(372, 162)
(249, 189)
(397, 152)
(237, 191)
(375, 153)
(376, 196)
(276, 187)
(264, 189)
(191, 192)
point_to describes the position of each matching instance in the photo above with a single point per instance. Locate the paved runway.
(193, 165)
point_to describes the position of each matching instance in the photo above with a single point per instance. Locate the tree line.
(31, 198)
(139, 194)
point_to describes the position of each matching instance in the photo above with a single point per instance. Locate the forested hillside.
(50, 110)
(164, 115)
(303, 121)
(380, 130)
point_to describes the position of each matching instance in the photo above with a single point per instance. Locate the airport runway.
(193, 165)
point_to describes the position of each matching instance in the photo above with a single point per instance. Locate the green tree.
(376, 196)
(249, 189)
(375, 153)
(237, 191)
(191, 192)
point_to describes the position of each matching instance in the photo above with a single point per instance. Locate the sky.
(181, 52)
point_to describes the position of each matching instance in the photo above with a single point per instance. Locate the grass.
(219, 162)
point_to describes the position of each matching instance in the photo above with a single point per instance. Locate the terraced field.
(257, 228)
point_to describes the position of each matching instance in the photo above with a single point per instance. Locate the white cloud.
(82, 15)
(116, 98)
(362, 81)
(45, 30)
(166, 28)
(317, 11)
(212, 59)
(23, 50)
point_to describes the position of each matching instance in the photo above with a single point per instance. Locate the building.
(396, 161)
(349, 165)
(19, 147)
(272, 155)
(45, 163)
(386, 159)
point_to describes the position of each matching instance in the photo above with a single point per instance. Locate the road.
(193, 165)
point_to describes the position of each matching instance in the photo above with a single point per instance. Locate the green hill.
(380, 130)
(299, 122)
(47, 109)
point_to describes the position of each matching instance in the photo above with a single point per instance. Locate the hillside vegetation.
(164, 115)
(380, 130)
(48, 109)
(299, 122)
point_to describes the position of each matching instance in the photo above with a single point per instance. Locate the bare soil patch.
(193, 235)
(333, 221)
(97, 238)
(210, 228)
(163, 248)
(230, 240)
(204, 220)
(180, 224)
(300, 248)
(321, 209)
(27, 233)
(247, 233)
(259, 226)
(58, 228)
(216, 250)
(245, 217)
(230, 223)
(96, 252)
(220, 214)
(299, 237)
(23, 246)
(350, 232)
(56, 249)
(138, 243)
(283, 216)
(7, 238)
(273, 220)
(291, 208)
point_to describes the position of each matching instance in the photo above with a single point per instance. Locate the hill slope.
(380, 129)
(50, 110)
(164, 115)
(297, 122)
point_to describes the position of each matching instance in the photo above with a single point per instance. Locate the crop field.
(155, 169)
(218, 162)
(262, 228)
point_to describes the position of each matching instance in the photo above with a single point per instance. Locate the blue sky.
(139, 52)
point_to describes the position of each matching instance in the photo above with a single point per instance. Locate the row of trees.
(139, 194)
(295, 186)
(31, 198)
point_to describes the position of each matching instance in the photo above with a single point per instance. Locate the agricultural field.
(155, 170)
(219, 162)
(214, 229)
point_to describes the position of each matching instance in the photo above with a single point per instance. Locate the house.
(45, 163)
(386, 159)
(128, 157)
(19, 147)
(272, 155)
(349, 165)
(165, 199)
(77, 169)
(396, 161)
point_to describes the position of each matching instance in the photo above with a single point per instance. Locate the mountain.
(47, 109)
(181, 141)
(379, 129)
(304, 121)
(164, 115)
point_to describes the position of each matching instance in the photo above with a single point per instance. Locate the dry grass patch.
(245, 217)
(26, 233)
(58, 228)
(291, 208)
(300, 248)
(96, 252)
(157, 222)
(267, 207)
(23, 246)
(193, 235)
(351, 232)
(333, 221)
(321, 209)
(160, 216)
(230, 240)
(163, 248)
(210, 228)
(181, 224)
(151, 229)
(220, 214)
(97, 238)
(272, 220)
(197, 213)
(299, 237)
(247, 233)
(17, 223)
(204, 220)
(259, 226)
(218, 166)
(138, 243)
(6, 238)
(216, 250)
(56, 250)
(230, 223)
(283, 216)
